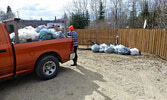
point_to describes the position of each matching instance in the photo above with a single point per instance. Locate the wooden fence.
(107, 36)
(149, 41)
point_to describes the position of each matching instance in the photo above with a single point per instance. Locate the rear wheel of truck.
(47, 67)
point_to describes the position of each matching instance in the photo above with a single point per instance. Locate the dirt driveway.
(98, 76)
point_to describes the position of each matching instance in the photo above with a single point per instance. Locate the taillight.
(72, 47)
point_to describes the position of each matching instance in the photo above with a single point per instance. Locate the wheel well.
(46, 54)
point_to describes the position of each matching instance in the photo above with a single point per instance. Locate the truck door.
(6, 55)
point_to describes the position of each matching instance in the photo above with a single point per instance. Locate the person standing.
(74, 36)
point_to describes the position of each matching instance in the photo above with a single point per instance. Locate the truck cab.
(6, 54)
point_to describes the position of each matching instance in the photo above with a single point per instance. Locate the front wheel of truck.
(47, 67)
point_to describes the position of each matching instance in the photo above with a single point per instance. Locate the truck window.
(10, 28)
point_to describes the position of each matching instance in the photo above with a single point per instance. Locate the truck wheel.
(47, 67)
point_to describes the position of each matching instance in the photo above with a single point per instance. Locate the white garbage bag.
(134, 51)
(52, 31)
(39, 28)
(102, 47)
(12, 35)
(109, 49)
(95, 48)
(28, 33)
(123, 50)
(25, 33)
(116, 48)
(59, 35)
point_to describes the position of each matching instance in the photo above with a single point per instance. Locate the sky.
(36, 9)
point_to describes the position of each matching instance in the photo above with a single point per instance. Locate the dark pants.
(76, 56)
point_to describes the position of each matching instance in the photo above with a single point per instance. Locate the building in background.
(35, 23)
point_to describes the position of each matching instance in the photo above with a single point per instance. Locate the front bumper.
(72, 56)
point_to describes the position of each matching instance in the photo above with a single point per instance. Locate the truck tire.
(47, 67)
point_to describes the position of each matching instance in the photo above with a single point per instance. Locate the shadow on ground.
(68, 85)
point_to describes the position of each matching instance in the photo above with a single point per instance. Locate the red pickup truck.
(43, 57)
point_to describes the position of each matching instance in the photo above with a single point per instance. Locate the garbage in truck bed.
(42, 32)
(25, 33)
(119, 49)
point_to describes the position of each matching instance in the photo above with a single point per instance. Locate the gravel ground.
(98, 76)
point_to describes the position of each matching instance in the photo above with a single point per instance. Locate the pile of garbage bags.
(47, 34)
(119, 49)
(42, 32)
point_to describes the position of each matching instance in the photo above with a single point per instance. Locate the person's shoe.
(74, 65)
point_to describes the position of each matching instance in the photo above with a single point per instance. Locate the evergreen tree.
(9, 13)
(101, 11)
(87, 18)
(133, 16)
(80, 20)
(9, 9)
(153, 18)
(144, 15)
(75, 20)
(145, 11)
(163, 18)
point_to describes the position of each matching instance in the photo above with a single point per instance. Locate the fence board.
(165, 42)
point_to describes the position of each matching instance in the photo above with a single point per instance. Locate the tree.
(153, 18)
(9, 13)
(133, 16)
(9, 9)
(161, 13)
(75, 5)
(65, 22)
(80, 20)
(2, 15)
(101, 11)
(77, 20)
(145, 12)
(87, 18)
(116, 12)
(94, 5)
